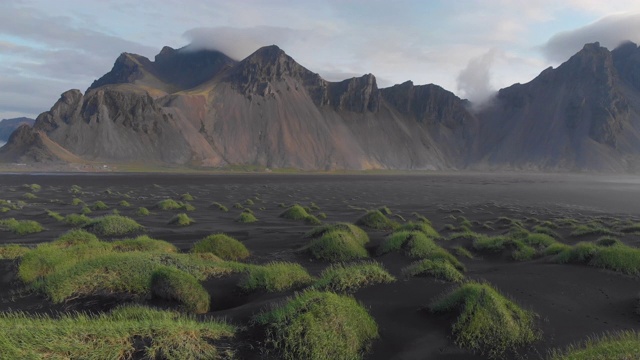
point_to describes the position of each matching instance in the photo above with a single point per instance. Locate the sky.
(472, 48)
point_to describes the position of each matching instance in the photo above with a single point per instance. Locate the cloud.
(474, 81)
(610, 31)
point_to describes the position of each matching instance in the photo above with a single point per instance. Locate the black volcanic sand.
(574, 302)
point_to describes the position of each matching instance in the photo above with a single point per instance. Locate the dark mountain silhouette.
(8, 126)
(200, 107)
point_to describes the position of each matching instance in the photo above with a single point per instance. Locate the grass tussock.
(145, 244)
(181, 219)
(77, 220)
(173, 284)
(246, 218)
(20, 227)
(522, 244)
(100, 205)
(124, 203)
(220, 207)
(462, 252)
(223, 246)
(297, 212)
(318, 325)
(440, 269)
(423, 227)
(359, 235)
(114, 225)
(614, 256)
(77, 202)
(375, 219)
(142, 211)
(12, 252)
(337, 243)
(487, 322)
(113, 335)
(341, 278)
(55, 215)
(275, 276)
(617, 346)
(417, 245)
(592, 228)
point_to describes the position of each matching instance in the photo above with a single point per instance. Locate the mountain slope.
(8, 126)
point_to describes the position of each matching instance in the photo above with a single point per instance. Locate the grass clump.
(319, 325)
(113, 225)
(375, 219)
(124, 203)
(77, 220)
(220, 207)
(246, 217)
(608, 241)
(12, 252)
(20, 227)
(181, 219)
(351, 277)
(85, 210)
(173, 284)
(488, 322)
(275, 276)
(142, 211)
(592, 228)
(56, 216)
(618, 346)
(76, 202)
(440, 269)
(113, 335)
(32, 187)
(337, 244)
(75, 189)
(186, 197)
(418, 246)
(29, 196)
(462, 252)
(145, 244)
(422, 226)
(100, 205)
(169, 204)
(223, 246)
(358, 234)
(297, 212)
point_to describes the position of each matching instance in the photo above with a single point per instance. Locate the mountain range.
(8, 126)
(202, 108)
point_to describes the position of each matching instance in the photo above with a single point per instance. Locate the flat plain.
(573, 300)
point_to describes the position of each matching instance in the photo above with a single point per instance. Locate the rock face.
(201, 108)
(8, 126)
(581, 116)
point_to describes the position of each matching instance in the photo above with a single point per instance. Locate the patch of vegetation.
(351, 277)
(124, 203)
(359, 235)
(275, 276)
(99, 205)
(223, 246)
(12, 252)
(522, 244)
(188, 207)
(238, 206)
(85, 210)
(20, 227)
(539, 229)
(220, 207)
(631, 228)
(142, 211)
(248, 202)
(418, 246)
(181, 219)
(462, 252)
(617, 257)
(423, 227)
(337, 243)
(319, 325)
(32, 187)
(77, 220)
(169, 204)
(297, 212)
(608, 241)
(29, 196)
(143, 243)
(314, 207)
(488, 322)
(114, 225)
(56, 216)
(322, 216)
(374, 219)
(75, 237)
(618, 346)
(173, 284)
(246, 217)
(592, 228)
(186, 197)
(125, 332)
(440, 269)
(385, 210)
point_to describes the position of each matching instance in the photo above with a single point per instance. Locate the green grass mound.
(220, 207)
(173, 284)
(522, 244)
(297, 212)
(617, 257)
(246, 217)
(608, 241)
(592, 228)
(440, 269)
(418, 246)
(187, 197)
(351, 277)
(99, 205)
(29, 196)
(142, 211)
(275, 276)
(77, 219)
(20, 227)
(124, 203)
(181, 219)
(319, 325)
(358, 234)
(56, 216)
(85, 210)
(143, 243)
(374, 219)
(223, 246)
(76, 202)
(421, 226)
(124, 333)
(12, 252)
(462, 252)
(32, 187)
(619, 346)
(114, 225)
(487, 322)
(75, 237)
(337, 245)
(169, 204)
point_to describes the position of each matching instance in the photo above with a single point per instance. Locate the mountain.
(8, 126)
(199, 107)
(583, 115)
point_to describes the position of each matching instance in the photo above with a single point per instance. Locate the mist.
(474, 81)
